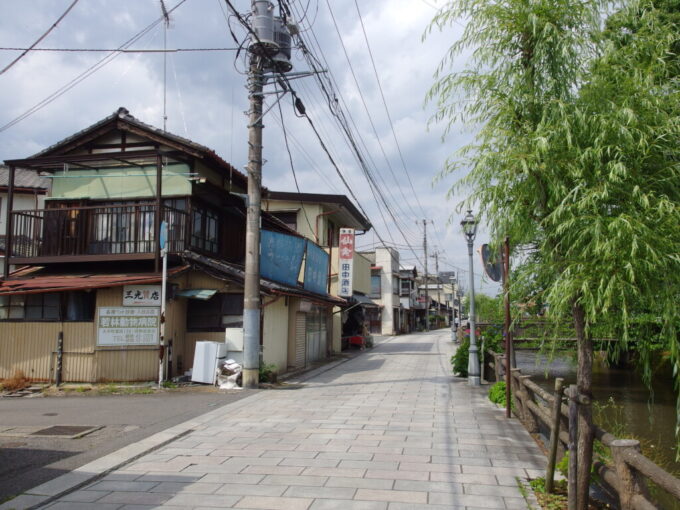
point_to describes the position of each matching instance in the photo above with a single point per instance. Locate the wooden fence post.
(554, 435)
(519, 405)
(630, 483)
(573, 441)
(525, 396)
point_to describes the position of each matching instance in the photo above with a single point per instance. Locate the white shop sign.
(141, 295)
(346, 260)
(127, 326)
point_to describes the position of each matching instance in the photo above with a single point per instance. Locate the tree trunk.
(585, 415)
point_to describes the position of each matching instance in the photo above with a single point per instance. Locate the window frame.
(22, 303)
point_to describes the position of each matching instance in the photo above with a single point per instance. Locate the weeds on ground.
(18, 381)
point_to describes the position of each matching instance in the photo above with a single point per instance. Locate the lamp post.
(453, 308)
(469, 224)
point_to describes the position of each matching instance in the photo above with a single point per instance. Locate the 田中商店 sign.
(346, 260)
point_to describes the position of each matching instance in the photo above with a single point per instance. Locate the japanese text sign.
(141, 295)
(346, 261)
(127, 326)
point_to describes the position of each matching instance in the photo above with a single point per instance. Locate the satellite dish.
(492, 266)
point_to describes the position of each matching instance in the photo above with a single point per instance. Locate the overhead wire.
(88, 72)
(292, 166)
(339, 114)
(387, 111)
(366, 109)
(54, 25)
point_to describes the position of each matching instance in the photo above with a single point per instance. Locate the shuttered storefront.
(316, 334)
(300, 339)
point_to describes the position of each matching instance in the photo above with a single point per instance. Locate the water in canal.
(634, 413)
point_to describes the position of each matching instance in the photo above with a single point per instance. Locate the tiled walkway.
(388, 430)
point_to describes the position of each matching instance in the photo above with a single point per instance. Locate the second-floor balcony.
(107, 232)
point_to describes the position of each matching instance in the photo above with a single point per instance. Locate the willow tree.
(570, 127)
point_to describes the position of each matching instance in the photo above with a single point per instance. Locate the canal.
(624, 405)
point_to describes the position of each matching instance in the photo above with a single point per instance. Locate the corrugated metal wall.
(30, 346)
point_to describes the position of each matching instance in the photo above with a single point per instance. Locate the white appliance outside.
(234, 341)
(206, 357)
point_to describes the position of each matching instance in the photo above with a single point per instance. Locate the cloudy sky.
(48, 95)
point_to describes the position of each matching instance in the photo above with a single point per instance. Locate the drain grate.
(65, 430)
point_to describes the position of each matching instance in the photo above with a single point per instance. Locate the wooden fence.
(628, 473)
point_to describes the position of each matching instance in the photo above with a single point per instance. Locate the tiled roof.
(23, 179)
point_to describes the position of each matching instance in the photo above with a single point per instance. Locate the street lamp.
(453, 308)
(469, 224)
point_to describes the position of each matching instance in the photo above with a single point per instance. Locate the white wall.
(388, 260)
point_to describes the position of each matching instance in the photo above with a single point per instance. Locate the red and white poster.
(346, 259)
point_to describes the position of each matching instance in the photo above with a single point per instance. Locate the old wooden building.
(89, 261)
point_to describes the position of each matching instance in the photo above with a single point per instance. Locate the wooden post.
(573, 445)
(514, 383)
(60, 359)
(525, 396)
(8, 221)
(554, 435)
(630, 483)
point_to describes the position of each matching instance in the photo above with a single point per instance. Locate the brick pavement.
(390, 429)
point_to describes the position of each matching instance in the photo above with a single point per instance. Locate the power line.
(54, 25)
(292, 167)
(387, 111)
(108, 50)
(88, 72)
(368, 114)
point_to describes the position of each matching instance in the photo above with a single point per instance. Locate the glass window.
(376, 291)
(77, 305)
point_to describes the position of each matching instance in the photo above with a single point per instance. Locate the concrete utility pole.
(427, 293)
(251, 293)
(436, 269)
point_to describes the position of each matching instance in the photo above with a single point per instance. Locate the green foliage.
(497, 393)
(459, 361)
(576, 156)
(268, 372)
(169, 384)
(489, 309)
(555, 501)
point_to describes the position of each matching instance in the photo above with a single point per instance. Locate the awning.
(35, 280)
(365, 301)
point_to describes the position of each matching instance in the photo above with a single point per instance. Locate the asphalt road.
(26, 461)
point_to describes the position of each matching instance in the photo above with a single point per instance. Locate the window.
(395, 285)
(219, 312)
(76, 306)
(376, 290)
(204, 232)
(405, 287)
(287, 217)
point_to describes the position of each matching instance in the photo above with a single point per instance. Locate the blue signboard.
(281, 257)
(316, 269)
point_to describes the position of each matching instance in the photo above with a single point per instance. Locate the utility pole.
(436, 268)
(251, 291)
(427, 294)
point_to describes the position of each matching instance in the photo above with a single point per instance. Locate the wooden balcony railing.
(122, 231)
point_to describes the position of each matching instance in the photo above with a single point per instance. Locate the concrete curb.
(88, 473)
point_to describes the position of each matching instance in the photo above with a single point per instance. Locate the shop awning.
(35, 280)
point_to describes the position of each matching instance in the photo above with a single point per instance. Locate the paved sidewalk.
(390, 429)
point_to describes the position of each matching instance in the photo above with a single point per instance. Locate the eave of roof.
(24, 281)
(122, 118)
(339, 200)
